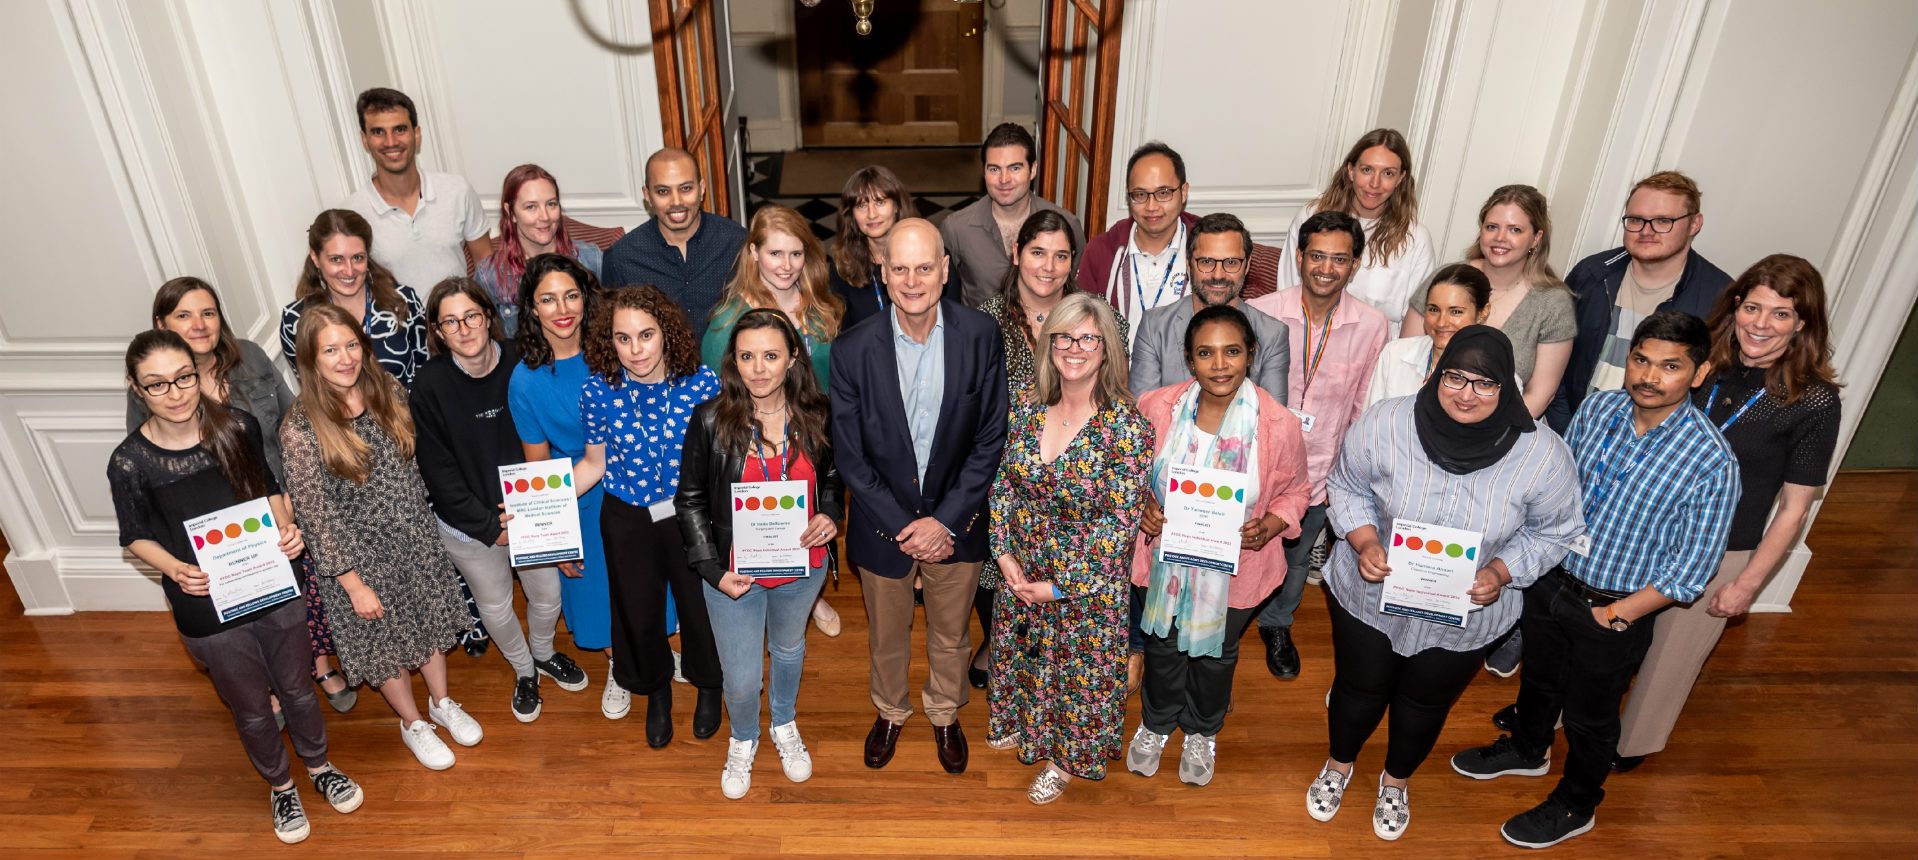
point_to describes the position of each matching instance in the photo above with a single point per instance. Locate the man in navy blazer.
(918, 421)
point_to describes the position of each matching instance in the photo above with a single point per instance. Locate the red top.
(798, 469)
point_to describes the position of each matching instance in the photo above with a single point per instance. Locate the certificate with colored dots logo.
(1433, 568)
(1204, 510)
(238, 548)
(545, 524)
(768, 519)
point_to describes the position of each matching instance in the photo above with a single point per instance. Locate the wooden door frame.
(684, 36)
(1063, 121)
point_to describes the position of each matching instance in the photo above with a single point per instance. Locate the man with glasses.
(1218, 250)
(1614, 290)
(980, 237)
(1136, 264)
(1333, 347)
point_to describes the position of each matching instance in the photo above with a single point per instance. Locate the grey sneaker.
(1327, 792)
(289, 817)
(340, 791)
(1142, 755)
(1393, 811)
(1197, 758)
(1501, 757)
(1504, 660)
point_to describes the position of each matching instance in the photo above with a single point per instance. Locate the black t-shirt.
(1776, 443)
(155, 491)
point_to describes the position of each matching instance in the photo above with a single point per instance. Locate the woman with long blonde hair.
(1374, 183)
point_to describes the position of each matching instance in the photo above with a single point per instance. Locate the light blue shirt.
(922, 383)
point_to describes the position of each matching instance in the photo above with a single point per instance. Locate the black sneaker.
(1501, 757)
(564, 672)
(526, 698)
(289, 817)
(340, 791)
(1545, 825)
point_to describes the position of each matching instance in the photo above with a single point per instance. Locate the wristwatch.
(1616, 623)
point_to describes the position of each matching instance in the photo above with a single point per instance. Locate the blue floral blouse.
(643, 426)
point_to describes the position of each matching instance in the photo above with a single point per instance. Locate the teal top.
(712, 348)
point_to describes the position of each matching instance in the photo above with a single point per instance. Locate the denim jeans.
(1298, 559)
(763, 620)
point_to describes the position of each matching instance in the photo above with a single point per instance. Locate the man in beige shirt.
(980, 237)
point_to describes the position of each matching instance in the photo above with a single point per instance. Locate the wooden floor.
(1801, 741)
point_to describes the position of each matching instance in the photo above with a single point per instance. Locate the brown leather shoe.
(881, 742)
(951, 741)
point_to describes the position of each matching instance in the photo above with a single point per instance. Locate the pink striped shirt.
(1337, 393)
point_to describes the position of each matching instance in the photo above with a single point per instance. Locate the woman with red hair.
(531, 223)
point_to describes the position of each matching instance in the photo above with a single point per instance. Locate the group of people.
(987, 411)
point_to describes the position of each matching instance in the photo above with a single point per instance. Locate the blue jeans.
(763, 620)
(1298, 557)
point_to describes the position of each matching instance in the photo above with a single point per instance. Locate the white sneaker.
(1142, 755)
(1196, 759)
(1327, 792)
(448, 713)
(615, 702)
(1392, 813)
(679, 677)
(737, 776)
(792, 752)
(426, 745)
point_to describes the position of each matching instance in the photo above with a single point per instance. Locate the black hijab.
(1462, 449)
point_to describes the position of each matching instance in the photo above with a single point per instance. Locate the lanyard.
(1602, 488)
(765, 471)
(878, 295)
(1312, 358)
(1138, 280)
(1735, 415)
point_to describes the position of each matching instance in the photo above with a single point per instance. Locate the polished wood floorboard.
(1801, 741)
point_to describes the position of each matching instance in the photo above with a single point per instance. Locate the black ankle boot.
(659, 717)
(706, 712)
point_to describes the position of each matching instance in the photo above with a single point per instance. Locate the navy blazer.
(873, 448)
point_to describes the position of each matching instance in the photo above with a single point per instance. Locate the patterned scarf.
(1194, 597)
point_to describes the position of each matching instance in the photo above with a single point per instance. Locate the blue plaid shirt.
(1657, 506)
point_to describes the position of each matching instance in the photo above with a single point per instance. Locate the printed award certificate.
(1204, 510)
(238, 548)
(1432, 569)
(545, 524)
(768, 518)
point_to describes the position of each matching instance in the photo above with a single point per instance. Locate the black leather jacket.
(706, 476)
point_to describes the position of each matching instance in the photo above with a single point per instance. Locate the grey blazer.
(1158, 353)
(979, 255)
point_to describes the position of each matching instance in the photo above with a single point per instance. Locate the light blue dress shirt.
(922, 383)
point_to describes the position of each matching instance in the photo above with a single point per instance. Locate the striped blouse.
(1659, 506)
(1526, 505)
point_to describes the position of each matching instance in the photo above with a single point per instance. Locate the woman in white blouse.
(1374, 184)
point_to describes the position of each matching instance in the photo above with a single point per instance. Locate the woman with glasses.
(1461, 454)
(1456, 297)
(1065, 504)
(1374, 184)
(1044, 273)
(873, 200)
(464, 434)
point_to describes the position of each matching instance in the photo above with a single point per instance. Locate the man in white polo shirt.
(424, 223)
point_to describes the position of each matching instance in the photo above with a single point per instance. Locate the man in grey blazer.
(1219, 252)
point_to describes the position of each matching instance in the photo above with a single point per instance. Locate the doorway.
(913, 80)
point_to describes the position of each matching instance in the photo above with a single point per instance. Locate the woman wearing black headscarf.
(1465, 454)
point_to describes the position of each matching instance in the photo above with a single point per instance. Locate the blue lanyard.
(765, 471)
(878, 295)
(1602, 488)
(1735, 415)
(1138, 280)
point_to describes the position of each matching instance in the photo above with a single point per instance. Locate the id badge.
(1581, 545)
(1305, 419)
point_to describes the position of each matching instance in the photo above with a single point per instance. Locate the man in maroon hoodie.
(1139, 264)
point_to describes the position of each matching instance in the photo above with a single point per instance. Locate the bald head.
(669, 155)
(674, 193)
(912, 232)
(915, 269)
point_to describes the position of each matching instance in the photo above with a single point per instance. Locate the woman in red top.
(769, 423)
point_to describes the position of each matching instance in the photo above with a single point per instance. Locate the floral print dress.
(1059, 668)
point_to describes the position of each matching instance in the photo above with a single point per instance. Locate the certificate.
(768, 519)
(545, 524)
(1432, 569)
(238, 548)
(1204, 510)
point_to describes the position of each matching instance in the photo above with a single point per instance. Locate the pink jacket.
(1283, 490)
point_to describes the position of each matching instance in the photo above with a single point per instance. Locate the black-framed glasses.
(1085, 342)
(1232, 265)
(1457, 381)
(1161, 194)
(471, 319)
(184, 382)
(1635, 224)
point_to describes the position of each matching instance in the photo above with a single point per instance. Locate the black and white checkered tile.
(762, 188)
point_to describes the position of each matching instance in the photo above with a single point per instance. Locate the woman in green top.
(781, 267)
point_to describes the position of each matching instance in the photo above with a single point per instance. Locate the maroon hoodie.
(1095, 265)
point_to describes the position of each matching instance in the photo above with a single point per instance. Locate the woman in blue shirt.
(646, 378)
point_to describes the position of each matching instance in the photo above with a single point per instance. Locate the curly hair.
(530, 337)
(681, 352)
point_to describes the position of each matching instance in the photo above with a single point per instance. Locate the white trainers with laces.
(465, 730)
(615, 703)
(426, 745)
(1142, 755)
(792, 752)
(737, 776)
(1196, 759)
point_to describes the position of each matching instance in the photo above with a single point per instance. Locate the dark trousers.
(1575, 666)
(1187, 692)
(643, 559)
(982, 598)
(1371, 678)
(251, 663)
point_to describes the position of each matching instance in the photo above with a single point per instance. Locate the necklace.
(773, 411)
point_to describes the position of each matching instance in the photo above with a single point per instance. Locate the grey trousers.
(252, 663)
(489, 574)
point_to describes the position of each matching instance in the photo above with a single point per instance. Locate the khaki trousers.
(1682, 638)
(949, 590)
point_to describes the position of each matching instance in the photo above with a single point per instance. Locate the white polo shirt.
(429, 245)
